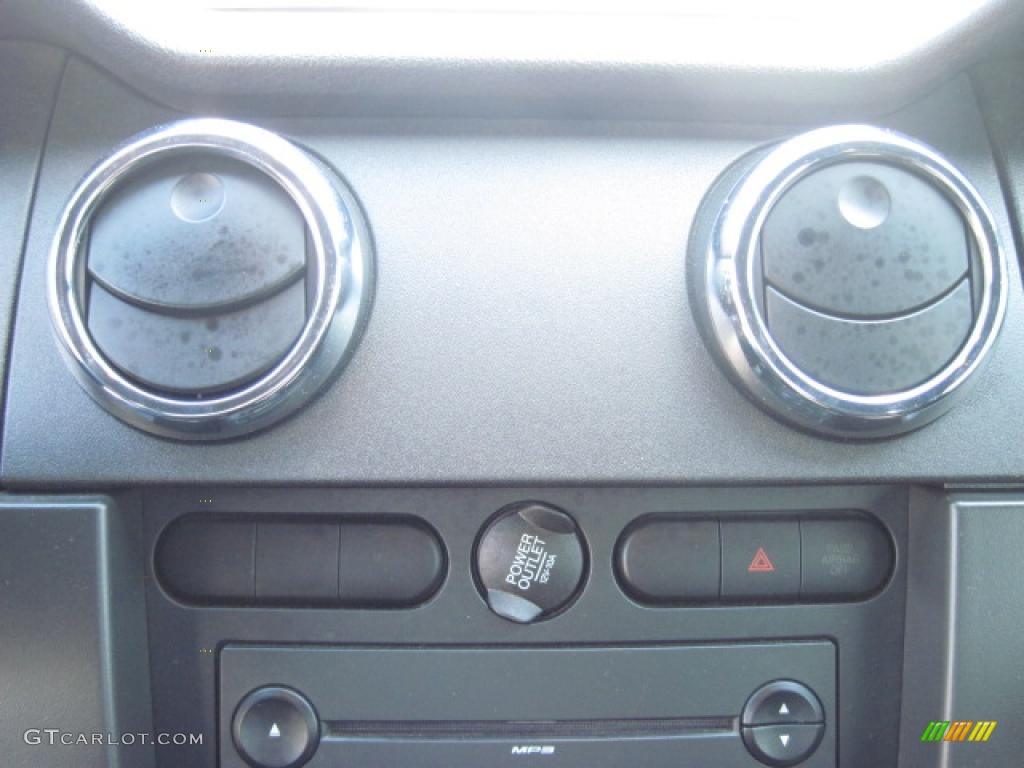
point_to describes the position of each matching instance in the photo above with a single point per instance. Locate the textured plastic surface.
(874, 356)
(196, 354)
(197, 231)
(28, 89)
(400, 684)
(403, 686)
(864, 240)
(75, 654)
(508, 276)
(583, 747)
(868, 634)
(296, 563)
(998, 88)
(389, 565)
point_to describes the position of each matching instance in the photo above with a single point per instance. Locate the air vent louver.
(850, 280)
(208, 278)
(196, 275)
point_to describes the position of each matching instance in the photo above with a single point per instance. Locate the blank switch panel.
(387, 562)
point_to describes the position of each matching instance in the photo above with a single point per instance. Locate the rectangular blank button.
(296, 563)
(208, 560)
(388, 565)
(671, 561)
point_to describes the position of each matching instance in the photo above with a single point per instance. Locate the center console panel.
(614, 677)
(659, 707)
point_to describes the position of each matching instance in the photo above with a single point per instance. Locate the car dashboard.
(461, 385)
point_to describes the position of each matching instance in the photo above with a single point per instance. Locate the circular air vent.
(850, 280)
(208, 278)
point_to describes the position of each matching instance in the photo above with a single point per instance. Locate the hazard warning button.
(760, 560)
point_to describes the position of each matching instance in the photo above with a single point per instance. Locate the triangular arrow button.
(784, 738)
(783, 710)
(275, 732)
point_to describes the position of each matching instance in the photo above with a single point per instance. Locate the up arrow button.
(781, 703)
(275, 727)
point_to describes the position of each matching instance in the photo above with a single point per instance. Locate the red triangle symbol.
(761, 562)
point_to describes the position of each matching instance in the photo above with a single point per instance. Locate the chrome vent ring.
(810, 371)
(339, 275)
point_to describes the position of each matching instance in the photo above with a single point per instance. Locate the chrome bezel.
(733, 315)
(339, 271)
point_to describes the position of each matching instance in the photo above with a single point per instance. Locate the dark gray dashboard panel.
(927, 641)
(988, 676)
(531, 320)
(964, 623)
(28, 89)
(74, 655)
(999, 96)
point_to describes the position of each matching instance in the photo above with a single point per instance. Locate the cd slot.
(427, 730)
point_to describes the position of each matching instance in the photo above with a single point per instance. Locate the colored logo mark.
(959, 730)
